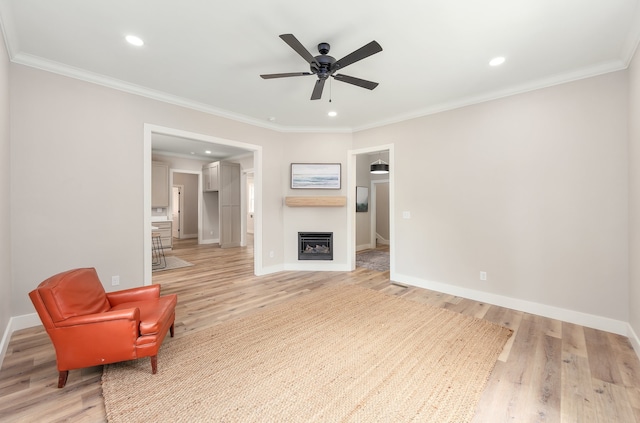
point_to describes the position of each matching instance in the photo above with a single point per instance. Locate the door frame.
(351, 204)
(148, 131)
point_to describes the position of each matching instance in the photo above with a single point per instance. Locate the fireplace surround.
(315, 245)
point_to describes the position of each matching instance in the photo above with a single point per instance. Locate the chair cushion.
(153, 313)
(73, 293)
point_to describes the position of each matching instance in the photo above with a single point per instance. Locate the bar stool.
(157, 252)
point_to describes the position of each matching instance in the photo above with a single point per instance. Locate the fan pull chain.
(330, 86)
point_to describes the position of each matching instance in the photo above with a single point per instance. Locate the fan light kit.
(324, 66)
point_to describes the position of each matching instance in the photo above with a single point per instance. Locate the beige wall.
(634, 195)
(531, 189)
(6, 309)
(82, 159)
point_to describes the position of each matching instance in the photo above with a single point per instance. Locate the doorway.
(359, 162)
(254, 150)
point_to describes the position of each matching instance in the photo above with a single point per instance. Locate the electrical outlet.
(272, 254)
(483, 276)
(115, 280)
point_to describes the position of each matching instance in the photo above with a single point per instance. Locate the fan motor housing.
(326, 66)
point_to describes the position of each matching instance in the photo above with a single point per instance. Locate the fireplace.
(315, 245)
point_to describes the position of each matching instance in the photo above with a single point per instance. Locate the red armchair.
(89, 327)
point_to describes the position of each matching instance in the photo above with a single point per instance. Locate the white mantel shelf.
(316, 201)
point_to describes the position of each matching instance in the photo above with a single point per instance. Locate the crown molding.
(81, 74)
(117, 84)
(559, 79)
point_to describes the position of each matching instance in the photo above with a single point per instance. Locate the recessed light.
(272, 119)
(332, 114)
(207, 152)
(497, 61)
(136, 41)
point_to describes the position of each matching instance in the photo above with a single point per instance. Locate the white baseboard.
(271, 269)
(16, 323)
(25, 321)
(381, 240)
(188, 236)
(635, 341)
(316, 266)
(584, 319)
(4, 343)
(364, 247)
(210, 241)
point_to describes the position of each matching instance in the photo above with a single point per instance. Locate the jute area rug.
(337, 354)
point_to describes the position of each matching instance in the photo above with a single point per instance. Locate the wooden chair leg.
(62, 378)
(154, 364)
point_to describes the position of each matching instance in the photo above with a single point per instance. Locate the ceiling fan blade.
(363, 52)
(356, 81)
(284, 75)
(317, 89)
(299, 48)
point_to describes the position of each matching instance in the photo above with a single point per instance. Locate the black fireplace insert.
(315, 245)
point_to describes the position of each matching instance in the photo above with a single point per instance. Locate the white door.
(176, 197)
(250, 203)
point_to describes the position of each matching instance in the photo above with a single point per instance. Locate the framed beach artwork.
(315, 175)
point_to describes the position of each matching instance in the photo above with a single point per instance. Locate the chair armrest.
(149, 292)
(94, 339)
(125, 314)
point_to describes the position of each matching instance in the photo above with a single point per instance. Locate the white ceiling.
(209, 54)
(193, 149)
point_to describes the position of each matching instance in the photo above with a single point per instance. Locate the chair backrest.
(72, 293)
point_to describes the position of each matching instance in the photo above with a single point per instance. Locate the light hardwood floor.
(549, 371)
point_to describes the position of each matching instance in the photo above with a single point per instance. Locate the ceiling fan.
(325, 66)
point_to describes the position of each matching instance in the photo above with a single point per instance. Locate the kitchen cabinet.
(164, 229)
(221, 181)
(229, 197)
(159, 184)
(210, 176)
